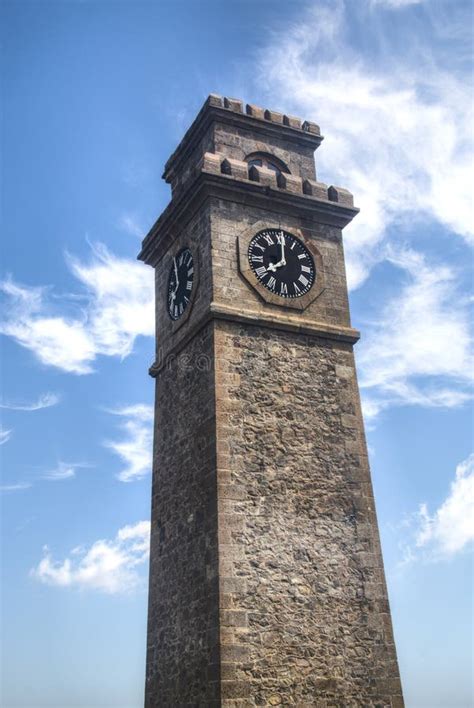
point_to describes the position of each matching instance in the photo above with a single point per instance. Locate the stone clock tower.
(266, 579)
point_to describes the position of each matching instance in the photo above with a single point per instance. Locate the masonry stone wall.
(183, 613)
(304, 610)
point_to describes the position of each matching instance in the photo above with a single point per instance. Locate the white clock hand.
(282, 244)
(176, 274)
(173, 294)
(274, 266)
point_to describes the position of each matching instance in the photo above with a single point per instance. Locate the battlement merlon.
(228, 126)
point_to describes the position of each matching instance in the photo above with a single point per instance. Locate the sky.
(96, 96)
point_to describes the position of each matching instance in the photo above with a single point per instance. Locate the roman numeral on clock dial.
(281, 263)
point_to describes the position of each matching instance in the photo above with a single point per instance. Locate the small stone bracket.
(300, 303)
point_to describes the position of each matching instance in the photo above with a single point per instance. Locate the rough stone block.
(237, 168)
(233, 618)
(211, 162)
(234, 652)
(228, 671)
(319, 190)
(214, 100)
(292, 121)
(310, 127)
(263, 175)
(343, 196)
(255, 111)
(235, 689)
(234, 104)
(291, 183)
(274, 116)
(232, 585)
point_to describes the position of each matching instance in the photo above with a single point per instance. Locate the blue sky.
(96, 97)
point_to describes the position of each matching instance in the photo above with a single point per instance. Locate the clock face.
(180, 283)
(282, 263)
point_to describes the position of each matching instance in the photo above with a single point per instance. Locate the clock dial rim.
(310, 239)
(181, 317)
(291, 287)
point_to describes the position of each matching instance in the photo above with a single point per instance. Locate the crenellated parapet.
(264, 114)
(219, 164)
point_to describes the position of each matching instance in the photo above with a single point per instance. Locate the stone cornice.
(331, 210)
(232, 111)
(284, 322)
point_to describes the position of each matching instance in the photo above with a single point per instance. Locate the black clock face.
(180, 283)
(282, 263)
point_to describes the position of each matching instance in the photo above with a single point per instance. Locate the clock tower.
(266, 577)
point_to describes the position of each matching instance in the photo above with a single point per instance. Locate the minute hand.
(173, 294)
(282, 244)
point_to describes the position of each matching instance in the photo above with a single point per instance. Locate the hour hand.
(273, 266)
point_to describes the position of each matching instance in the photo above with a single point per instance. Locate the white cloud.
(450, 529)
(419, 350)
(15, 487)
(130, 224)
(120, 300)
(5, 435)
(46, 400)
(136, 447)
(64, 470)
(110, 566)
(55, 340)
(399, 134)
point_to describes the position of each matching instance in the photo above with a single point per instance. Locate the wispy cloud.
(64, 470)
(131, 225)
(119, 308)
(449, 530)
(135, 449)
(15, 487)
(418, 352)
(110, 566)
(46, 400)
(397, 4)
(5, 435)
(384, 120)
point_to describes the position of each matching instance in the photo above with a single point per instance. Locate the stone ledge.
(283, 321)
(288, 322)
